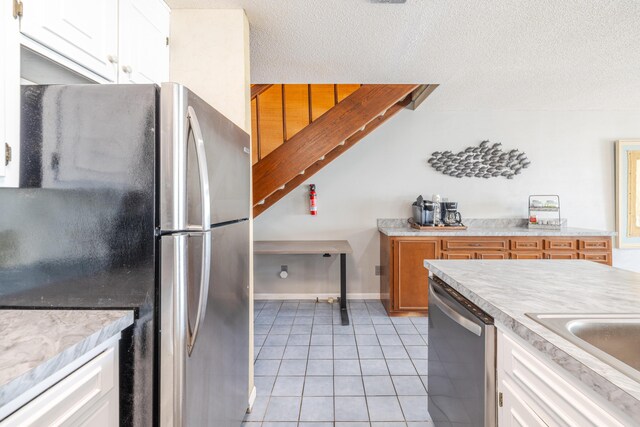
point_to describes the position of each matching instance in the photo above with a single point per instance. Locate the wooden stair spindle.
(258, 89)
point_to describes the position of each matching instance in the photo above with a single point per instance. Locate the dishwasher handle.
(452, 313)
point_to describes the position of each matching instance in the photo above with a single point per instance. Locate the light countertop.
(507, 290)
(37, 343)
(484, 227)
(301, 247)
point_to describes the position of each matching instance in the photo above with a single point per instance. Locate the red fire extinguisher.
(313, 200)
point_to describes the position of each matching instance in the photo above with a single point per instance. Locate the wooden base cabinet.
(411, 288)
(404, 280)
(404, 284)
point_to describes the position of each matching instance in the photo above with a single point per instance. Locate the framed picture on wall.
(628, 193)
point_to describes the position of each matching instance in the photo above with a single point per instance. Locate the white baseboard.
(288, 296)
(252, 399)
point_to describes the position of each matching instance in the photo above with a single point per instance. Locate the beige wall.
(209, 53)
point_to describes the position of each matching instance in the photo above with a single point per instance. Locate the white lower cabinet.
(514, 411)
(533, 392)
(88, 396)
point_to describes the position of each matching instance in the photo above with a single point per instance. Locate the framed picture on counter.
(628, 193)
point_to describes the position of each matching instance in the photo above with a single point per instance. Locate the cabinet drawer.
(526, 255)
(601, 257)
(492, 255)
(561, 244)
(69, 400)
(525, 244)
(453, 244)
(457, 255)
(594, 244)
(560, 255)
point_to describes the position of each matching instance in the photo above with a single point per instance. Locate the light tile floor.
(310, 371)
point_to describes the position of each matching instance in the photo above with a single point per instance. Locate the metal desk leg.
(343, 290)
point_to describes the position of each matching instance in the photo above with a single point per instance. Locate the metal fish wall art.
(484, 161)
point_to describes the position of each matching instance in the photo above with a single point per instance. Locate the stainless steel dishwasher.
(462, 360)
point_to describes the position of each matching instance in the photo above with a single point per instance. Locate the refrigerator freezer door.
(185, 121)
(207, 386)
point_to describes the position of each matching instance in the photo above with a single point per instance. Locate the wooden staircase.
(299, 129)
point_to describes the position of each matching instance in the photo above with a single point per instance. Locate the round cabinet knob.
(112, 58)
(127, 69)
(284, 274)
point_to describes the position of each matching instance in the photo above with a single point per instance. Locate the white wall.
(571, 154)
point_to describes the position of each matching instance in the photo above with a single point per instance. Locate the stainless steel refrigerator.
(138, 196)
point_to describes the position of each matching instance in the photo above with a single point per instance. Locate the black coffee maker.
(449, 214)
(423, 212)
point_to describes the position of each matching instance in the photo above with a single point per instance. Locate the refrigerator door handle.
(205, 274)
(202, 168)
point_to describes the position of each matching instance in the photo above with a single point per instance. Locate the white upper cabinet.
(123, 41)
(83, 31)
(3, 118)
(143, 50)
(9, 97)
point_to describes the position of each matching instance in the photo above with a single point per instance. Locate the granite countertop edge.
(489, 231)
(605, 380)
(13, 388)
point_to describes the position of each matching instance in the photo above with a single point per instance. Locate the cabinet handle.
(112, 58)
(127, 69)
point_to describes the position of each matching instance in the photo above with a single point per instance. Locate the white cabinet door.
(514, 411)
(9, 95)
(83, 31)
(536, 390)
(89, 396)
(144, 29)
(3, 119)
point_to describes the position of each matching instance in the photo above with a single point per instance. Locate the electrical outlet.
(378, 270)
(284, 271)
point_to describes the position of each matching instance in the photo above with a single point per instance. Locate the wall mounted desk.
(312, 247)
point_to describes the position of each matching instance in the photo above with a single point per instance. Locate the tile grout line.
(370, 313)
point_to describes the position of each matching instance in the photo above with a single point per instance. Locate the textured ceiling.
(525, 54)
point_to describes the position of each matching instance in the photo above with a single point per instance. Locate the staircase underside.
(327, 136)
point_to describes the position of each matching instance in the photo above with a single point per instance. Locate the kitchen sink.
(612, 338)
